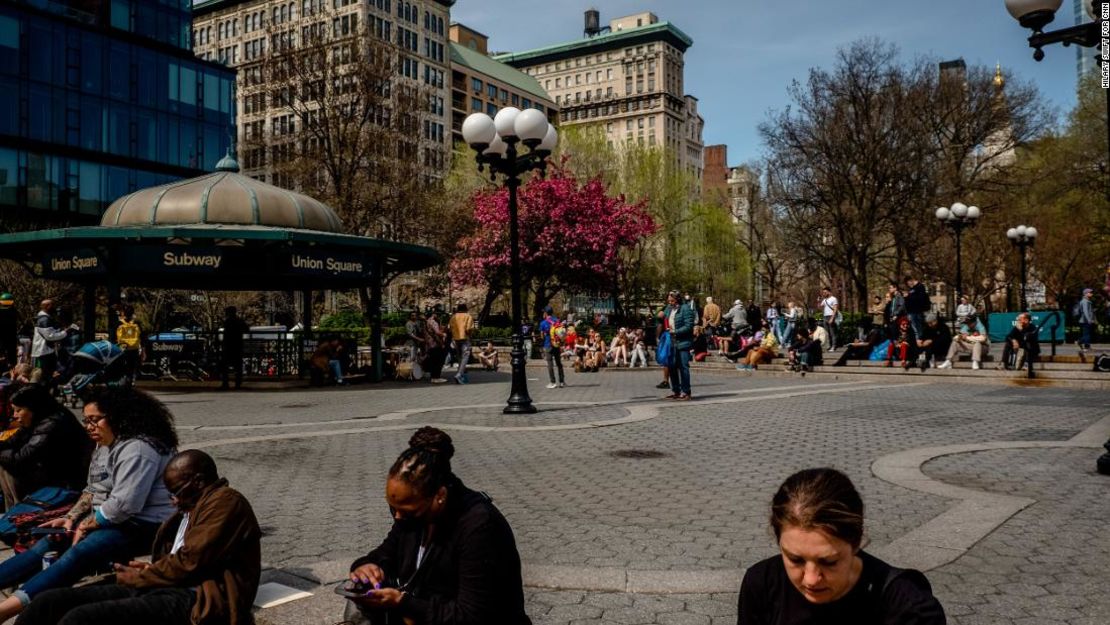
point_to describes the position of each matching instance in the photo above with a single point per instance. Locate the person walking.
(680, 321)
(553, 335)
(129, 339)
(44, 349)
(1086, 319)
(461, 326)
(917, 303)
(231, 352)
(9, 328)
(830, 307)
(435, 348)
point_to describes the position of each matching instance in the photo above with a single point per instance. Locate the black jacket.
(55, 452)
(917, 301)
(471, 571)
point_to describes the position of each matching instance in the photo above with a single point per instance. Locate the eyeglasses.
(176, 494)
(94, 421)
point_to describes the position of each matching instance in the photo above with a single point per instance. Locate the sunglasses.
(94, 421)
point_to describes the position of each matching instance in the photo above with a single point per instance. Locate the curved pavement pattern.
(682, 523)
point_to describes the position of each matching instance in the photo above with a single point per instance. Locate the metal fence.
(268, 354)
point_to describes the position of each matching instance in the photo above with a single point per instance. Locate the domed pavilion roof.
(225, 197)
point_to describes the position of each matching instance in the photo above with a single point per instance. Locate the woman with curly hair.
(450, 556)
(119, 511)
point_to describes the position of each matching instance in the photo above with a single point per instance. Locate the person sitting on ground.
(701, 344)
(325, 360)
(761, 354)
(822, 575)
(137, 432)
(903, 346)
(971, 339)
(489, 357)
(861, 350)
(450, 556)
(50, 448)
(744, 344)
(802, 349)
(207, 560)
(933, 342)
(639, 350)
(570, 343)
(1021, 345)
(618, 350)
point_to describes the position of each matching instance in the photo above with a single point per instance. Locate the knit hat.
(1085, 293)
(6, 299)
(736, 303)
(930, 317)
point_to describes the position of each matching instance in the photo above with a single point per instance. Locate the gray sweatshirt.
(1086, 311)
(137, 491)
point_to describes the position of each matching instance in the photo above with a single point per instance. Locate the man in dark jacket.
(206, 566)
(933, 342)
(679, 320)
(231, 350)
(917, 304)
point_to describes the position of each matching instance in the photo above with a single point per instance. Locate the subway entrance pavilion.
(218, 232)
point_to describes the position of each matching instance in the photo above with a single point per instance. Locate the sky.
(747, 52)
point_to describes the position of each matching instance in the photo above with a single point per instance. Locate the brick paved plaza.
(663, 536)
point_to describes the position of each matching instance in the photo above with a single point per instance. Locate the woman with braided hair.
(450, 556)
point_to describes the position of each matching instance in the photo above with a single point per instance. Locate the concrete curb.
(951, 534)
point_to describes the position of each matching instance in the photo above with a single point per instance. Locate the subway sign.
(324, 264)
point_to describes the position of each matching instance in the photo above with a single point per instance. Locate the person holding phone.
(49, 449)
(119, 517)
(206, 566)
(434, 566)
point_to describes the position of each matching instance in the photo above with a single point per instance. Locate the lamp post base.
(519, 401)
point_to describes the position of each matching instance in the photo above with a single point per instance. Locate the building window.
(492, 90)
(476, 105)
(476, 85)
(526, 103)
(491, 109)
(504, 95)
(516, 100)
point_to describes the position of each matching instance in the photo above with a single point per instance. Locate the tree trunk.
(492, 293)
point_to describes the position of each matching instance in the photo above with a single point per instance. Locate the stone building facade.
(628, 78)
(239, 33)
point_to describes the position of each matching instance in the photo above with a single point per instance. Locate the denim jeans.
(463, 350)
(1085, 334)
(680, 371)
(830, 327)
(96, 551)
(119, 605)
(917, 322)
(337, 370)
(554, 360)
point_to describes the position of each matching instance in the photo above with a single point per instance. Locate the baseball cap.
(6, 299)
(1085, 292)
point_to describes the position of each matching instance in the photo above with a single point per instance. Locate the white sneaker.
(947, 364)
(562, 384)
(974, 365)
(552, 385)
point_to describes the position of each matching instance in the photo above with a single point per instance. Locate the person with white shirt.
(207, 561)
(830, 312)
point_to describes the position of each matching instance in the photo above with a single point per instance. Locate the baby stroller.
(99, 362)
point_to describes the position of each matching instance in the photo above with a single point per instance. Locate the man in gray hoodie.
(1086, 319)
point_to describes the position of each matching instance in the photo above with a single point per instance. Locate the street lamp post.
(1036, 14)
(956, 218)
(495, 141)
(1022, 237)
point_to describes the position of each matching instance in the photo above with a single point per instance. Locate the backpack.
(127, 335)
(1102, 363)
(558, 334)
(1075, 312)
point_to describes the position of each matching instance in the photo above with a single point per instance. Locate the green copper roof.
(609, 40)
(482, 64)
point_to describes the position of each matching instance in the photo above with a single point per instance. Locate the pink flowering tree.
(573, 237)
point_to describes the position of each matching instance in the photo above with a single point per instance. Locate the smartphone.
(48, 531)
(355, 590)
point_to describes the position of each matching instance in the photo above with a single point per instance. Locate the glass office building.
(99, 98)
